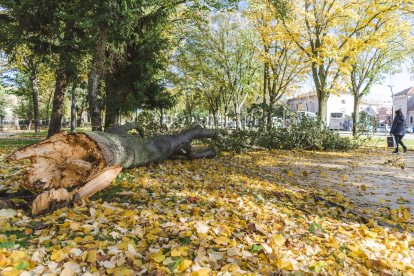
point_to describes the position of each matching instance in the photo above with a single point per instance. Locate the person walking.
(398, 130)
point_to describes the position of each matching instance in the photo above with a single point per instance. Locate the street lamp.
(392, 103)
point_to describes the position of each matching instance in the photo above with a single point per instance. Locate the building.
(9, 121)
(404, 100)
(340, 102)
(382, 109)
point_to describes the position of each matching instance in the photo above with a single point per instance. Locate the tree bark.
(36, 113)
(73, 109)
(355, 116)
(79, 113)
(322, 106)
(238, 120)
(265, 78)
(58, 97)
(94, 81)
(111, 105)
(81, 159)
(270, 113)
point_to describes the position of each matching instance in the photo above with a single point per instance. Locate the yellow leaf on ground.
(278, 240)
(91, 256)
(157, 257)
(58, 256)
(201, 272)
(180, 251)
(222, 240)
(184, 265)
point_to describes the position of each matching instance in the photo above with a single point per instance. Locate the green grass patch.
(15, 237)
(16, 143)
(38, 135)
(108, 194)
(381, 142)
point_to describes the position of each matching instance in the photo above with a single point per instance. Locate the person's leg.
(401, 142)
(396, 137)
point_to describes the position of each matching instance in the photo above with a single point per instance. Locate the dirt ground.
(370, 178)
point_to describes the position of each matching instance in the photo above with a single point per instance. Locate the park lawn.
(13, 143)
(227, 214)
(43, 133)
(381, 142)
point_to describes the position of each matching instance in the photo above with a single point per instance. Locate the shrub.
(305, 134)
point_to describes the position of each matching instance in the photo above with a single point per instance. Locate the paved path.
(7, 134)
(370, 178)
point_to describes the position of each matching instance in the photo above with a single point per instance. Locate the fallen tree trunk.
(69, 167)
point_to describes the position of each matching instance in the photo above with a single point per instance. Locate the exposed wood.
(52, 199)
(98, 183)
(64, 160)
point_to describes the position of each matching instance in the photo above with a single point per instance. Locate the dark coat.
(398, 125)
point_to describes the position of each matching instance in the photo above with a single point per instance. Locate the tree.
(29, 67)
(48, 29)
(370, 65)
(283, 68)
(135, 78)
(3, 106)
(218, 60)
(325, 33)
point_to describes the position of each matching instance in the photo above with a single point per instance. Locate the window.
(336, 115)
(411, 120)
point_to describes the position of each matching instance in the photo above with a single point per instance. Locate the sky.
(399, 82)
(379, 92)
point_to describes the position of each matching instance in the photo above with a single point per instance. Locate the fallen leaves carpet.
(225, 216)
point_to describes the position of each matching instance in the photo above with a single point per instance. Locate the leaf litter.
(205, 217)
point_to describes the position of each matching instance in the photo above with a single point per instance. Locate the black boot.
(405, 149)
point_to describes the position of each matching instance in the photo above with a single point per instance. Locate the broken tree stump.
(69, 167)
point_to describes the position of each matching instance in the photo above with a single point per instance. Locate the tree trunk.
(58, 97)
(79, 113)
(355, 116)
(322, 106)
(111, 107)
(36, 113)
(94, 81)
(95, 158)
(269, 113)
(265, 78)
(238, 120)
(73, 109)
(49, 99)
(161, 117)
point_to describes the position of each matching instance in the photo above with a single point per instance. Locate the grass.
(16, 143)
(43, 133)
(381, 142)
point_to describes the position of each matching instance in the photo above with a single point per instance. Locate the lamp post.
(392, 103)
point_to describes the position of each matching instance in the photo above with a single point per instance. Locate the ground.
(256, 212)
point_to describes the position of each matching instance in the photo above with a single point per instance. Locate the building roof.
(370, 111)
(407, 91)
